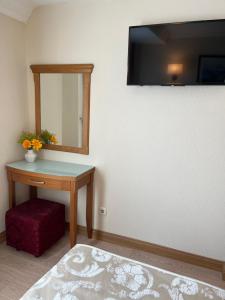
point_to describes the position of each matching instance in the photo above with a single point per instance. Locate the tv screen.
(191, 53)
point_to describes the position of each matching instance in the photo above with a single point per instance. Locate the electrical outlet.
(102, 211)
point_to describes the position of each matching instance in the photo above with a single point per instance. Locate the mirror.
(62, 101)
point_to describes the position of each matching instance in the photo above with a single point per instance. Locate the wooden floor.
(19, 270)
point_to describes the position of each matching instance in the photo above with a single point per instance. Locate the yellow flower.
(37, 145)
(26, 144)
(53, 139)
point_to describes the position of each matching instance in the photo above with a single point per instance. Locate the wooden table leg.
(73, 214)
(11, 187)
(33, 192)
(89, 206)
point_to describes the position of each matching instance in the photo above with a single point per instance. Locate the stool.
(35, 225)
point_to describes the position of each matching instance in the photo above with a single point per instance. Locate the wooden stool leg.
(223, 272)
(73, 214)
(89, 206)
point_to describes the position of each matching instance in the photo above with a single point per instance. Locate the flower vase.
(30, 156)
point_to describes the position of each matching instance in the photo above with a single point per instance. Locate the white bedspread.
(86, 272)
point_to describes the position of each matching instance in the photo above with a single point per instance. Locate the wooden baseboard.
(186, 257)
(2, 236)
(223, 271)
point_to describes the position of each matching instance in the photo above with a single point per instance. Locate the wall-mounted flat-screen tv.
(190, 53)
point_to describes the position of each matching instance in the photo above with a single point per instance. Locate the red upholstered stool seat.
(35, 225)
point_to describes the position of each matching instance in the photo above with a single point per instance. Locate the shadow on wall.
(99, 199)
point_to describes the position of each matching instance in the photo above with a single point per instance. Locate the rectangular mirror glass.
(62, 107)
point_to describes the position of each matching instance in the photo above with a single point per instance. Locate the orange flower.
(37, 145)
(53, 139)
(26, 144)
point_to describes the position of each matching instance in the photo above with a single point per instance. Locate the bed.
(86, 272)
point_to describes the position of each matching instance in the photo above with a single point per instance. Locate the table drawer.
(42, 182)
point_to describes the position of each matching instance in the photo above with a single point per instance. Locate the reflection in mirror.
(62, 106)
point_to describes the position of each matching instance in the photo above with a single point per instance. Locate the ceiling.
(22, 9)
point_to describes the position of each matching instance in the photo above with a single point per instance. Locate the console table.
(59, 176)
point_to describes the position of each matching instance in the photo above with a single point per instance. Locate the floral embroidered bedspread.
(86, 272)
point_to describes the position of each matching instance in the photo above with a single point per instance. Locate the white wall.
(13, 105)
(159, 151)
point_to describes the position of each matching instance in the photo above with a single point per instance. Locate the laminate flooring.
(19, 270)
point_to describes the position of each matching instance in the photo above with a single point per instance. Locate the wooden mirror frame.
(86, 70)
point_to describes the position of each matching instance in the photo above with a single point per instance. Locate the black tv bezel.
(170, 84)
